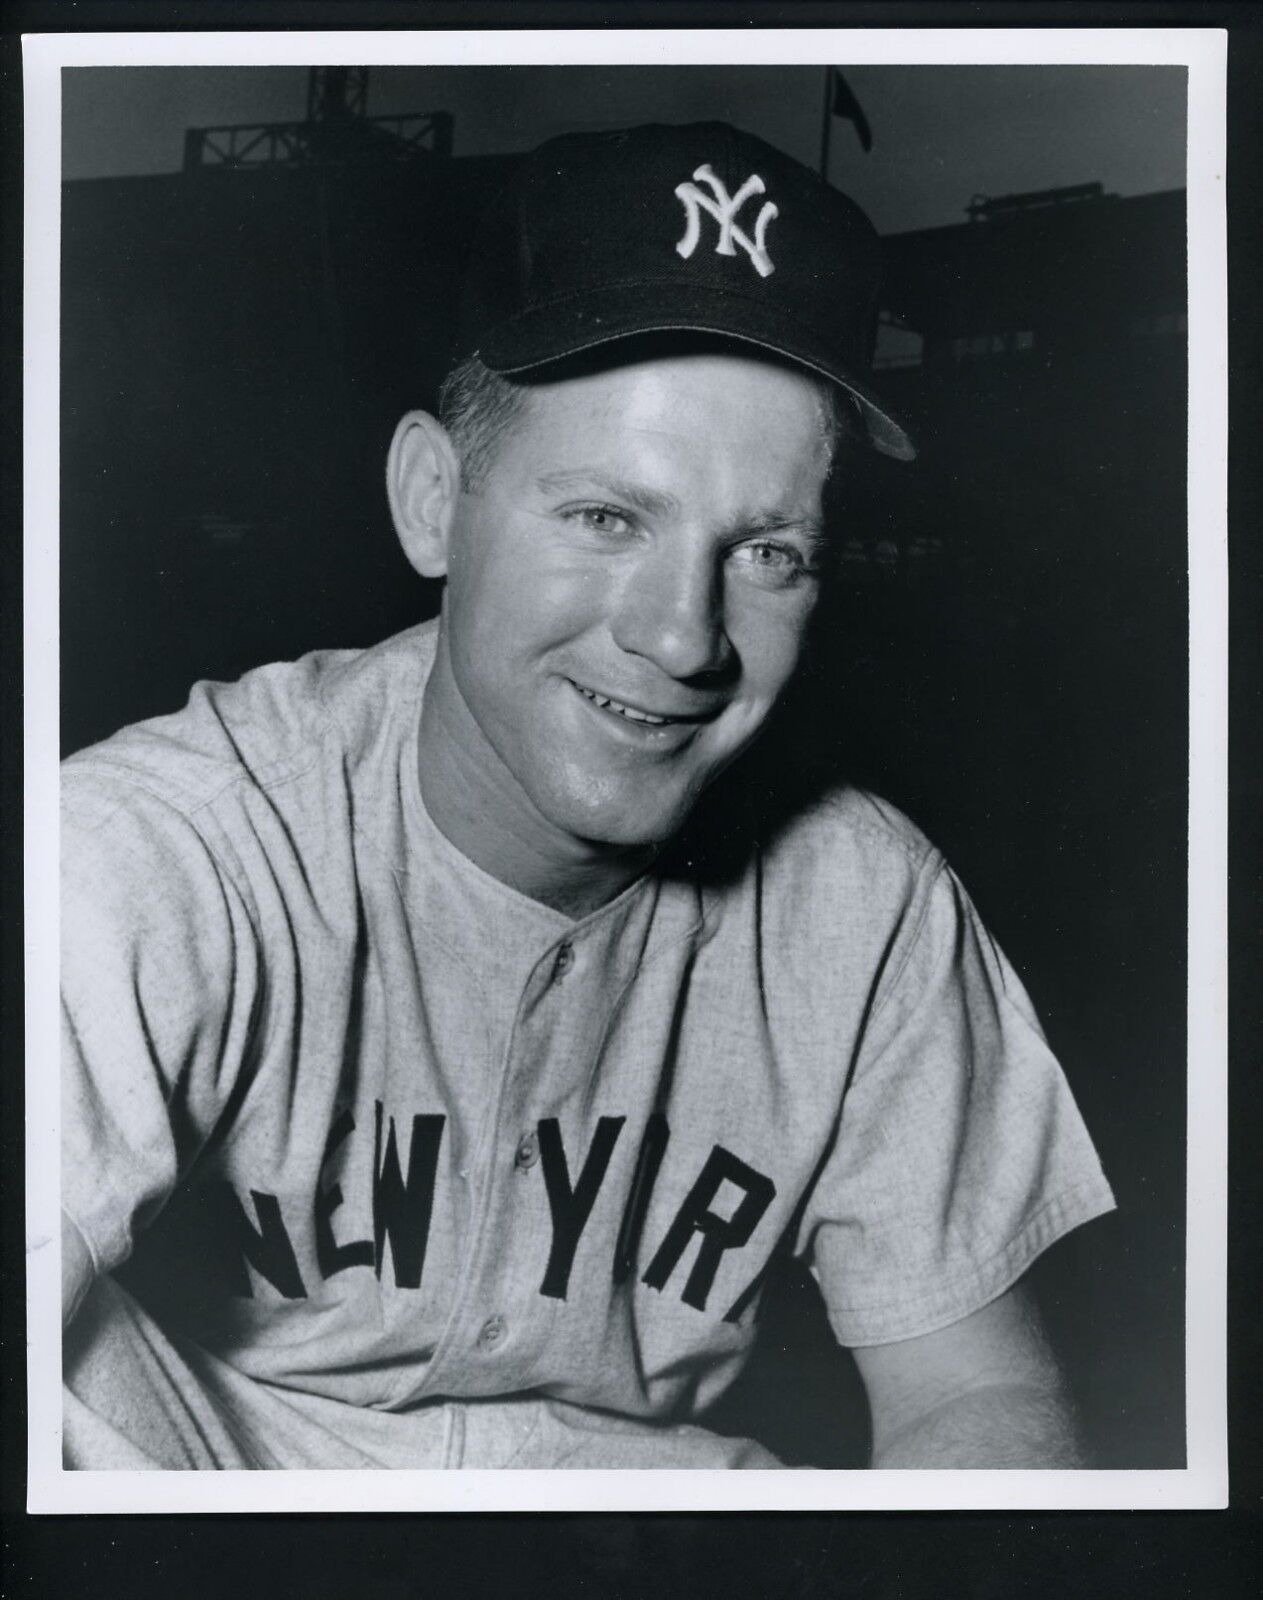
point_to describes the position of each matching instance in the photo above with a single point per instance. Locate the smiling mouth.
(630, 713)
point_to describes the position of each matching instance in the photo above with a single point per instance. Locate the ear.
(422, 484)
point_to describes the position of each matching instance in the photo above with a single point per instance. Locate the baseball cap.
(698, 228)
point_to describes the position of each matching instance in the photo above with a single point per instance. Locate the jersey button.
(527, 1152)
(564, 960)
(492, 1332)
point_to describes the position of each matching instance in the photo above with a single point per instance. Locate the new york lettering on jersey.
(384, 1225)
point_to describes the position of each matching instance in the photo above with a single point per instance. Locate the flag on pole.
(845, 105)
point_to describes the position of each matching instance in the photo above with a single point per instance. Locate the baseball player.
(448, 1054)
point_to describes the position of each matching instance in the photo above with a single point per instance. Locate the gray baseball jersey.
(379, 1129)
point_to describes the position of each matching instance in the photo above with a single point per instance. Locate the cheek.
(508, 597)
(769, 632)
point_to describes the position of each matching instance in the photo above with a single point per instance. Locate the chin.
(619, 821)
(632, 835)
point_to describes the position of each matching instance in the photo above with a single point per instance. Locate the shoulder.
(838, 885)
(257, 733)
(860, 823)
(850, 856)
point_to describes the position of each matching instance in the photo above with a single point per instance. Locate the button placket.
(542, 1031)
(552, 1026)
(527, 1152)
(492, 1332)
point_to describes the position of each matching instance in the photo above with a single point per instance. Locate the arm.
(77, 1271)
(985, 1392)
(159, 978)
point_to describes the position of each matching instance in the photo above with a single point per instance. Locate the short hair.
(477, 407)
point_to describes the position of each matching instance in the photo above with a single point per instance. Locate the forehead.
(698, 408)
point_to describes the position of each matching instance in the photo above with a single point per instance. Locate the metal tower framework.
(336, 130)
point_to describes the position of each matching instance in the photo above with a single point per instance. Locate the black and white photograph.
(631, 680)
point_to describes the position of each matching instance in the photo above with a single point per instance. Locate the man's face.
(629, 587)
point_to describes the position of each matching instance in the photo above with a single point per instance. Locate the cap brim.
(550, 332)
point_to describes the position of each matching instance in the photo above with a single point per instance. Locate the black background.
(849, 1554)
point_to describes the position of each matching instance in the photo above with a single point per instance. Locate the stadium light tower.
(336, 129)
(336, 92)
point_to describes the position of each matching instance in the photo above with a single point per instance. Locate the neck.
(480, 808)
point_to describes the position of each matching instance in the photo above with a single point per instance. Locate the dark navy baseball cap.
(700, 228)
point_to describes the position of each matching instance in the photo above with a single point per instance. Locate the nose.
(671, 612)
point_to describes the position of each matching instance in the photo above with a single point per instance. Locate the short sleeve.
(159, 980)
(960, 1154)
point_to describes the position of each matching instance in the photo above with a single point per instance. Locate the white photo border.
(1203, 1483)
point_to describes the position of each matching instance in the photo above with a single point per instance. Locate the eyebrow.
(811, 528)
(653, 502)
(658, 503)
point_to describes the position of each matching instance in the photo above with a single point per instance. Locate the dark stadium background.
(1006, 658)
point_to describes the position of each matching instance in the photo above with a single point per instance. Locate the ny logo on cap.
(724, 208)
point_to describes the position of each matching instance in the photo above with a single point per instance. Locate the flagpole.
(825, 121)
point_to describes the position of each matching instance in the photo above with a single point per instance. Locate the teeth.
(624, 711)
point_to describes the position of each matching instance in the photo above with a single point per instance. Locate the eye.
(600, 519)
(770, 563)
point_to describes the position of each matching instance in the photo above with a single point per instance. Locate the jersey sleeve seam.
(297, 765)
(190, 813)
(936, 861)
